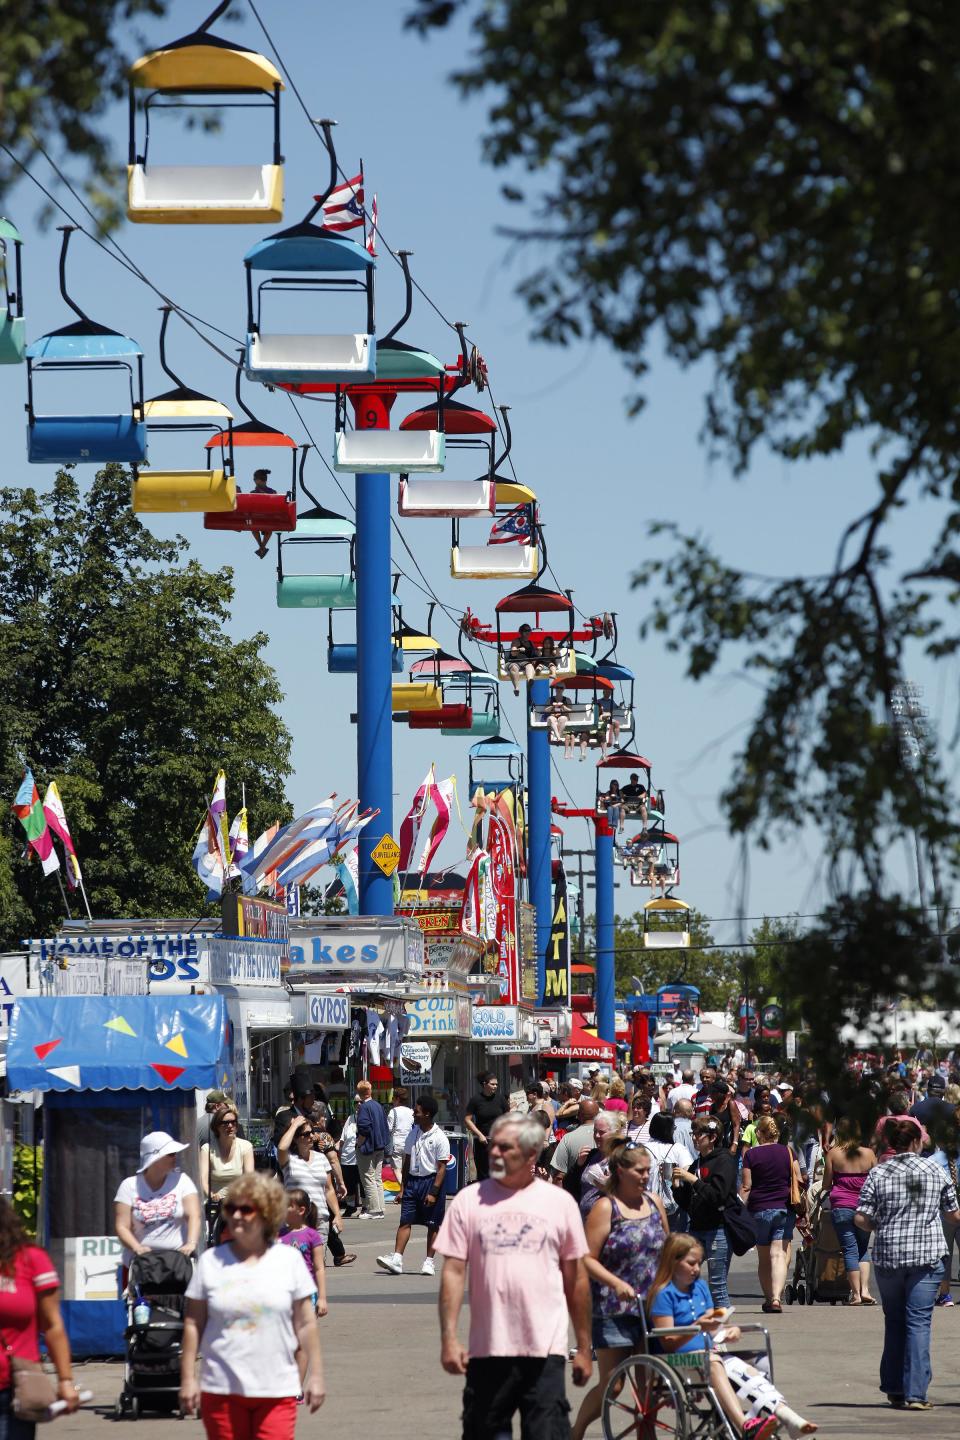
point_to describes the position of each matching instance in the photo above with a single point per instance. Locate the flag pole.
(83, 892)
(63, 895)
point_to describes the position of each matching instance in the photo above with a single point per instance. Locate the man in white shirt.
(425, 1160)
(684, 1091)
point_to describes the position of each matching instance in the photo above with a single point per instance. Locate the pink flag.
(442, 800)
(410, 829)
(56, 819)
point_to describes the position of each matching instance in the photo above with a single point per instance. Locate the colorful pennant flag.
(347, 870)
(443, 793)
(284, 843)
(56, 819)
(239, 843)
(410, 828)
(212, 850)
(29, 812)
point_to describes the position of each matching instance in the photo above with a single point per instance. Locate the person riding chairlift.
(260, 487)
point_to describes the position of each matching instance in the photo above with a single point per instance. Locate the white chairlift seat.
(186, 194)
(337, 359)
(580, 717)
(389, 452)
(495, 562)
(665, 939)
(453, 499)
(564, 662)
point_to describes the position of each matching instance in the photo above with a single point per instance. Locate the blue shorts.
(413, 1210)
(617, 1332)
(771, 1225)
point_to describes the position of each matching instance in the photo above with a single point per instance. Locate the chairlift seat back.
(389, 452)
(267, 514)
(483, 723)
(457, 719)
(205, 194)
(13, 339)
(337, 359)
(450, 499)
(86, 439)
(564, 663)
(317, 592)
(332, 527)
(665, 939)
(342, 659)
(494, 562)
(171, 492)
(413, 695)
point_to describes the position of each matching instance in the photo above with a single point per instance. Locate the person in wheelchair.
(679, 1297)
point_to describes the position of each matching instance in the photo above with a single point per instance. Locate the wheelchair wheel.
(644, 1400)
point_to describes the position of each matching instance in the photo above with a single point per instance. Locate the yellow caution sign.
(386, 853)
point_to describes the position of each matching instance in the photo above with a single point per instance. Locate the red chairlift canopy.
(624, 760)
(581, 682)
(533, 599)
(254, 435)
(458, 419)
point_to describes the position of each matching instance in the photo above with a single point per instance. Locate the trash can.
(456, 1176)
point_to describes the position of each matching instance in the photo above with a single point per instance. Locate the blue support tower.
(374, 660)
(538, 827)
(605, 982)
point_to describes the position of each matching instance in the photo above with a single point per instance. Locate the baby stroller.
(151, 1373)
(819, 1274)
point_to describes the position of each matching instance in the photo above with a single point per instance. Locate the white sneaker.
(366, 1215)
(393, 1263)
(428, 1268)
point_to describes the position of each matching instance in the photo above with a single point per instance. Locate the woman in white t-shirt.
(249, 1308)
(158, 1208)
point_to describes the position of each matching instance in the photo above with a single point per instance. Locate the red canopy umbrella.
(583, 1044)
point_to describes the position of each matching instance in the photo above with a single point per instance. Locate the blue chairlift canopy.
(118, 1042)
(83, 342)
(610, 671)
(308, 247)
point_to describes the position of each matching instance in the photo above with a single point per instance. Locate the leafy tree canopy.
(775, 195)
(772, 195)
(60, 68)
(118, 680)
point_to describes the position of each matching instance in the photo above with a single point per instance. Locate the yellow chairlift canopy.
(202, 407)
(510, 494)
(666, 903)
(205, 67)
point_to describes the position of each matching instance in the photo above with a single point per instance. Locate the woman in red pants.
(249, 1309)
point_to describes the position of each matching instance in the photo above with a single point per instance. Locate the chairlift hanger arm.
(165, 311)
(67, 231)
(326, 127)
(214, 15)
(403, 257)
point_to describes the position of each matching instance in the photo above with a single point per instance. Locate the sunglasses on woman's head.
(244, 1211)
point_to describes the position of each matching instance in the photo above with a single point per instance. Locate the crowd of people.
(598, 1202)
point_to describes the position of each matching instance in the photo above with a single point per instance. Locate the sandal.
(347, 1259)
(867, 1300)
(771, 1307)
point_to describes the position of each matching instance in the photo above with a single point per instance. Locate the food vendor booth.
(110, 1069)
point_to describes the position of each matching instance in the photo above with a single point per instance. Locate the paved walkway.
(381, 1350)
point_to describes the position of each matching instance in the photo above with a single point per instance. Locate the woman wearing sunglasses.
(626, 1230)
(249, 1309)
(226, 1158)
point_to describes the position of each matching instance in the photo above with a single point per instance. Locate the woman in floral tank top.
(625, 1231)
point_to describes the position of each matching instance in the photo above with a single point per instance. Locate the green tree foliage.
(60, 68)
(710, 968)
(772, 195)
(117, 679)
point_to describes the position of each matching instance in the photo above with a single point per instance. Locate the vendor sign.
(171, 961)
(91, 1264)
(416, 1064)
(325, 946)
(495, 1022)
(322, 1012)
(439, 1016)
(245, 962)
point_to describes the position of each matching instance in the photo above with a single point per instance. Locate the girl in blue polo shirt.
(679, 1297)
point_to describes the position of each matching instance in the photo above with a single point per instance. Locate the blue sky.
(601, 477)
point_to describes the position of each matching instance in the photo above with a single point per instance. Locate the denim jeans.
(852, 1240)
(907, 1295)
(716, 1252)
(11, 1427)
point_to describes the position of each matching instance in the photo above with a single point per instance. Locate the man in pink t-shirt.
(520, 1242)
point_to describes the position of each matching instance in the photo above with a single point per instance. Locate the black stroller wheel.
(801, 1294)
(789, 1294)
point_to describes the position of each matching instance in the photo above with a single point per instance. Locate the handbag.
(740, 1226)
(797, 1204)
(33, 1390)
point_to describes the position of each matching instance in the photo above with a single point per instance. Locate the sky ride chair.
(471, 704)
(319, 526)
(537, 602)
(495, 764)
(666, 924)
(616, 722)
(259, 512)
(342, 655)
(410, 449)
(514, 549)
(653, 859)
(83, 348)
(13, 335)
(468, 429)
(310, 259)
(202, 71)
(627, 762)
(670, 1396)
(584, 694)
(184, 411)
